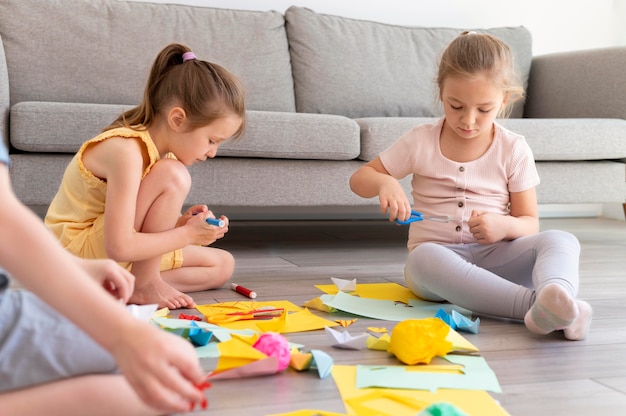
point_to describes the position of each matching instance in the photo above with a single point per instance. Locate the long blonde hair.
(472, 54)
(206, 91)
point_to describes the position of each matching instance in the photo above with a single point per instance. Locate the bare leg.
(203, 268)
(159, 203)
(93, 395)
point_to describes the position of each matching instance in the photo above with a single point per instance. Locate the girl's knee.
(225, 267)
(558, 238)
(172, 174)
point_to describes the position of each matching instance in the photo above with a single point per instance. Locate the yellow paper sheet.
(382, 291)
(296, 319)
(472, 402)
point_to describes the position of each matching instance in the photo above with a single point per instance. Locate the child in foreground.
(493, 260)
(122, 194)
(62, 342)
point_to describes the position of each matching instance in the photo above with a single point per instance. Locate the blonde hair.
(472, 54)
(206, 91)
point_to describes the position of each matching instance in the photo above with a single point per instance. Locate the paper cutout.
(321, 362)
(385, 403)
(382, 291)
(142, 312)
(376, 330)
(346, 322)
(300, 321)
(476, 375)
(318, 305)
(312, 360)
(344, 285)
(189, 317)
(458, 321)
(386, 309)
(381, 343)
(296, 320)
(308, 412)
(262, 367)
(346, 341)
(236, 353)
(472, 402)
(221, 334)
(161, 313)
(199, 336)
(300, 361)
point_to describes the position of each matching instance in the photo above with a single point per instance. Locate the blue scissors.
(417, 216)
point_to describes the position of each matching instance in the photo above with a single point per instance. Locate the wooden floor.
(539, 375)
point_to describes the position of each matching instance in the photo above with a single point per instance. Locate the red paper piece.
(189, 317)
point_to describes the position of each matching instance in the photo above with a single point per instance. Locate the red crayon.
(242, 290)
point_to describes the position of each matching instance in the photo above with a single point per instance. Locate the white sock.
(553, 309)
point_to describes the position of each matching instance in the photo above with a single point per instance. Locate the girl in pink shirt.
(493, 259)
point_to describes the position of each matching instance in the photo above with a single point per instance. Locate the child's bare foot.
(578, 330)
(553, 309)
(164, 295)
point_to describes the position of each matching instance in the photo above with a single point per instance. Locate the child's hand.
(192, 211)
(487, 228)
(118, 281)
(161, 367)
(393, 200)
(204, 234)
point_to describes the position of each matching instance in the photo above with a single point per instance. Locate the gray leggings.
(497, 279)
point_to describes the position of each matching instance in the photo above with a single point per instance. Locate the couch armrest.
(579, 84)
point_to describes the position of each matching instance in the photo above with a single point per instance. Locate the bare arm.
(373, 180)
(162, 368)
(120, 162)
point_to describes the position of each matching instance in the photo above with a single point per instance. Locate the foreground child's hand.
(118, 281)
(162, 368)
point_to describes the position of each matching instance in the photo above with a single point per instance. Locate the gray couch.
(324, 94)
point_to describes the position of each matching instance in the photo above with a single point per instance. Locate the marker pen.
(215, 221)
(242, 290)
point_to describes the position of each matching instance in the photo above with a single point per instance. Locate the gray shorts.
(39, 345)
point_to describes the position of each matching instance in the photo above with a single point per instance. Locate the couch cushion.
(268, 134)
(549, 139)
(100, 51)
(360, 68)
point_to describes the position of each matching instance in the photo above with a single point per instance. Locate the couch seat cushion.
(268, 134)
(361, 68)
(549, 139)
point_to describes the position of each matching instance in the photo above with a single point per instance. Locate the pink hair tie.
(188, 56)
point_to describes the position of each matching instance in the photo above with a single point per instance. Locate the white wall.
(556, 25)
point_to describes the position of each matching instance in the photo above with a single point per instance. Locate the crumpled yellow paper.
(418, 341)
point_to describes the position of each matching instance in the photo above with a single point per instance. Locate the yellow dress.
(76, 214)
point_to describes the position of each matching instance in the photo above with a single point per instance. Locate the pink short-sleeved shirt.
(441, 186)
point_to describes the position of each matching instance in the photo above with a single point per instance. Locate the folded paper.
(343, 339)
(344, 285)
(458, 321)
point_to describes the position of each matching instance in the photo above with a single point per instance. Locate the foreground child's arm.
(373, 180)
(162, 368)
